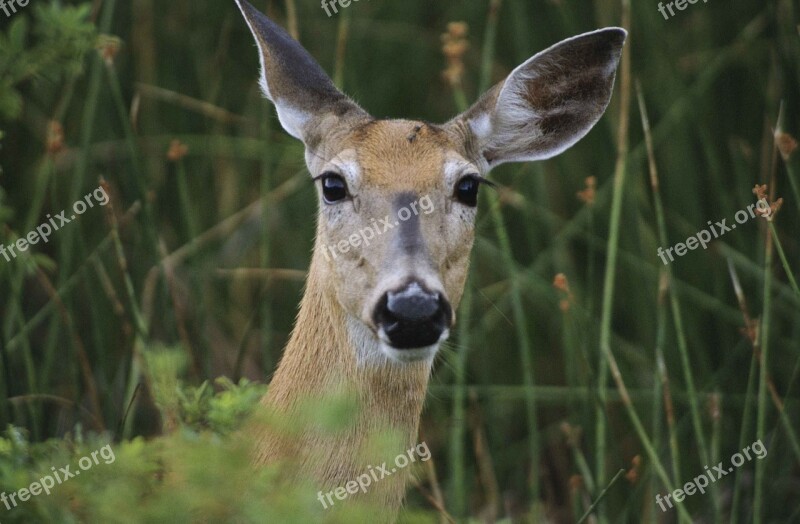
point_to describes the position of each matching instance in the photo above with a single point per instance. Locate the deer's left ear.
(548, 103)
(307, 102)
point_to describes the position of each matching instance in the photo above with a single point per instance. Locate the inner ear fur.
(306, 100)
(549, 102)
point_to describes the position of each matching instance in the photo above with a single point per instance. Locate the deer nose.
(412, 317)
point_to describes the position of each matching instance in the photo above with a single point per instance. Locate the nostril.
(412, 317)
(413, 304)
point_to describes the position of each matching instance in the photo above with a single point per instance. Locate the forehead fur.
(398, 153)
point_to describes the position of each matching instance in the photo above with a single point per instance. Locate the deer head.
(397, 198)
(397, 206)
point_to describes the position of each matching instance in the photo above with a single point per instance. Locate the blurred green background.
(545, 392)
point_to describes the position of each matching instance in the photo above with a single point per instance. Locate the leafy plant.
(53, 46)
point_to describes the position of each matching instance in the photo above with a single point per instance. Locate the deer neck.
(328, 351)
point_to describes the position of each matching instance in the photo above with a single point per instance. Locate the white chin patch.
(410, 355)
(374, 350)
(406, 356)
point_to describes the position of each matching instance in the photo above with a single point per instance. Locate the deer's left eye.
(466, 190)
(334, 188)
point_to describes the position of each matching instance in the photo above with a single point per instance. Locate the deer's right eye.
(334, 188)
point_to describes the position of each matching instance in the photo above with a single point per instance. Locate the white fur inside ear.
(293, 120)
(262, 81)
(482, 127)
(544, 107)
(262, 77)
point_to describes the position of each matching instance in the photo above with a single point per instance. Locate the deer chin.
(409, 355)
(373, 349)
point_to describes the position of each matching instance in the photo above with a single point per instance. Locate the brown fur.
(388, 397)
(545, 106)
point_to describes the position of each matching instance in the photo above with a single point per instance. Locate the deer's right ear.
(306, 100)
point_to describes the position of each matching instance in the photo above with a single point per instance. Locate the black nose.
(412, 317)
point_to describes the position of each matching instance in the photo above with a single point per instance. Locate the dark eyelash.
(485, 182)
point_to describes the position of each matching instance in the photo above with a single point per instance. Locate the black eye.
(467, 191)
(334, 188)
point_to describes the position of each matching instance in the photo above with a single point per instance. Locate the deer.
(373, 317)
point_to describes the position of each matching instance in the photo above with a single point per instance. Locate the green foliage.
(50, 48)
(200, 408)
(222, 412)
(210, 246)
(6, 214)
(187, 476)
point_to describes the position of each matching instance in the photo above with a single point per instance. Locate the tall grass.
(581, 400)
